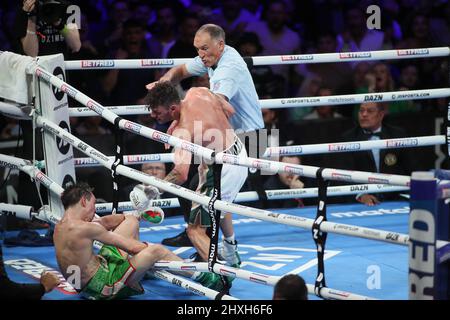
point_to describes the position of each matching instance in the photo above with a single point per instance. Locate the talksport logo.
(68, 181)
(62, 145)
(161, 137)
(59, 73)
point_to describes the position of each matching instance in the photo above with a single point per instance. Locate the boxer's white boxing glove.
(141, 196)
(46, 215)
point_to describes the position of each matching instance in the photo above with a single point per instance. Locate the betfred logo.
(131, 126)
(189, 147)
(290, 150)
(260, 164)
(341, 176)
(413, 52)
(161, 137)
(402, 143)
(354, 55)
(156, 62)
(43, 75)
(226, 158)
(97, 63)
(43, 179)
(95, 107)
(378, 180)
(70, 91)
(344, 147)
(293, 170)
(302, 57)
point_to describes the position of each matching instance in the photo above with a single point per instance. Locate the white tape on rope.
(355, 146)
(267, 60)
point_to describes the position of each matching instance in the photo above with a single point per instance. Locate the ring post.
(422, 232)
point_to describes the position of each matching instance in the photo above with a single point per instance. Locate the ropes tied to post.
(319, 236)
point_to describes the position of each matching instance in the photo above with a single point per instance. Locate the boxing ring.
(280, 248)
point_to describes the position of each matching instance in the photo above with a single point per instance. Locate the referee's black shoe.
(180, 240)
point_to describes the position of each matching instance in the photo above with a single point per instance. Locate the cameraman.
(42, 29)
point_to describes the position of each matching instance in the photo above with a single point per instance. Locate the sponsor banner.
(354, 55)
(58, 152)
(344, 147)
(341, 176)
(302, 57)
(156, 62)
(378, 180)
(70, 91)
(405, 96)
(413, 52)
(341, 100)
(133, 127)
(94, 106)
(141, 158)
(293, 170)
(300, 100)
(373, 97)
(161, 137)
(402, 143)
(291, 150)
(262, 165)
(97, 63)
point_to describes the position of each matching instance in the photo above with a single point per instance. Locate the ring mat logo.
(62, 145)
(273, 260)
(58, 72)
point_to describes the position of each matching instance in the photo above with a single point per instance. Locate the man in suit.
(390, 161)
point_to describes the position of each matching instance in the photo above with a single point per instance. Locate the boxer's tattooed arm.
(174, 177)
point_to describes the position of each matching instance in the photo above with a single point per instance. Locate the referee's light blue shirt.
(232, 79)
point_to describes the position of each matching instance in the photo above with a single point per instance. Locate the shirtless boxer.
(113, 273)
(202, 117)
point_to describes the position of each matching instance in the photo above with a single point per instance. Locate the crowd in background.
(134, 29)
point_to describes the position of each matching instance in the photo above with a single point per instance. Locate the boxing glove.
(141, 196)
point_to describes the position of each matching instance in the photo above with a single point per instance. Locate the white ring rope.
(278, 194)
(27, 167)
(224, 270)
(265, 215)
(355, 146)
(87, 162)
(205, 153)
(300, 102)
(266, 60)
(355, 98)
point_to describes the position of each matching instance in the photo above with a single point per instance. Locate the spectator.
(164, 29)
(25, 291)
(336, 75)
(92, 126)
(267, 84)
(390, 161)
(325, 111)
(37, 35)
(233, 18)
(42, 35)
(290, 287)
(357, 37)
(275, 35)
(125, 86)
(108, 35)
(287, 181)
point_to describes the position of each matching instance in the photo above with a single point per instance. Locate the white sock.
(195, 275)
(229, 239)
